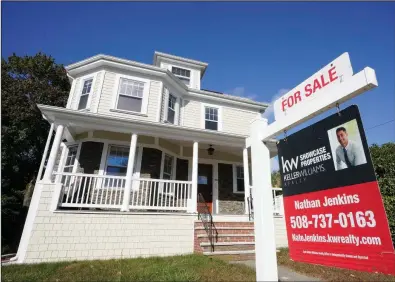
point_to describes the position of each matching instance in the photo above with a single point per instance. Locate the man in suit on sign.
(348, 153)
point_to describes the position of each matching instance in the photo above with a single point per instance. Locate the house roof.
(102, 60)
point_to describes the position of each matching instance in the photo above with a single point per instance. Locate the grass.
(177, 268)
(329, 273)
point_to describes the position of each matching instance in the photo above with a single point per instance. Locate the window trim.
(234, 173)
(144, 103)
(73, 166)
(108, 154)
(181, 76)
(91, 93)
(162, 166)
(176, 109)
(203, 116)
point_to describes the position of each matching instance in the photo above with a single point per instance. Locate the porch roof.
(73, 119)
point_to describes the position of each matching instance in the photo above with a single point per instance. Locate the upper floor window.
(183, 74)
(211, 118)
(171, 110)
(130, 95)
(86, 91)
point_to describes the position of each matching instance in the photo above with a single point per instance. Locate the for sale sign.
(316, 86)
(333, 207)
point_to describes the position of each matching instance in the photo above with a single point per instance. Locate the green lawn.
(177, 268)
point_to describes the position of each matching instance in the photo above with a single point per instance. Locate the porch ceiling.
(77, 121)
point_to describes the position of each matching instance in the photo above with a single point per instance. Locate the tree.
(26, 82)
(276, 179)
(383, 158)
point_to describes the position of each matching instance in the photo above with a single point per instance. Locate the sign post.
(327, 88)
(265, 248)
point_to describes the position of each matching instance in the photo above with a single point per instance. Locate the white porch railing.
(278, 204)
(278, 208)
(161, 194)
(90, 190)
(107, 192)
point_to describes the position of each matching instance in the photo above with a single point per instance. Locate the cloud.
(274, 164)
(269, 111)
(241, 92)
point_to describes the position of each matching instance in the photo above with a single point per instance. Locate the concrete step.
(227, 230)
(232, 255)
(228, 246)
(203, 238)
(227, 224)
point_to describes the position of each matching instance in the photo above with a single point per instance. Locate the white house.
(139, 150)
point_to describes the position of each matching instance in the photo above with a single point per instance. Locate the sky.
(255, 49)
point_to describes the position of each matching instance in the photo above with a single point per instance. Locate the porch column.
(129, 173)
(193, 206)
(54, 151)
(246, 179)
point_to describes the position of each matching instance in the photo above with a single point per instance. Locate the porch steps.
(235, 240)
(227, 246)
(233, 255)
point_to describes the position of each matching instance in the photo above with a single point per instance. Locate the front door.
(205, 183)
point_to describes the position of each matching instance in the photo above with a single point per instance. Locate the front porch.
(97, 164)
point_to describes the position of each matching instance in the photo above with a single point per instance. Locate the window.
(183, 74)
(130, 95)
(239, 179)
(171, 110)
(202, 179)
(117, 161)
(69, 164)
(86, 90)
(167, 167)
(211, 118)
(70, 159)
(167, 188)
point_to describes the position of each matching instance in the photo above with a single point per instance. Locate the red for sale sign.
(333, 207)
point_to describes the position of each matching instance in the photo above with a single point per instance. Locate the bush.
(383, 158)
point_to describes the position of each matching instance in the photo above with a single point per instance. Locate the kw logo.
(287, 165)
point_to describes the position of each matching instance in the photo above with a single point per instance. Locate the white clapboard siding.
(96, 91)
(75, 95)
(234, 120)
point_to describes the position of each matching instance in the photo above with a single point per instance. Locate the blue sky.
(253, 49)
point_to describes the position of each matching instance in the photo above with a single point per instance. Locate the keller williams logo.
(287, 165)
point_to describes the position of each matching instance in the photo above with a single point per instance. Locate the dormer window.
(183, 74)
